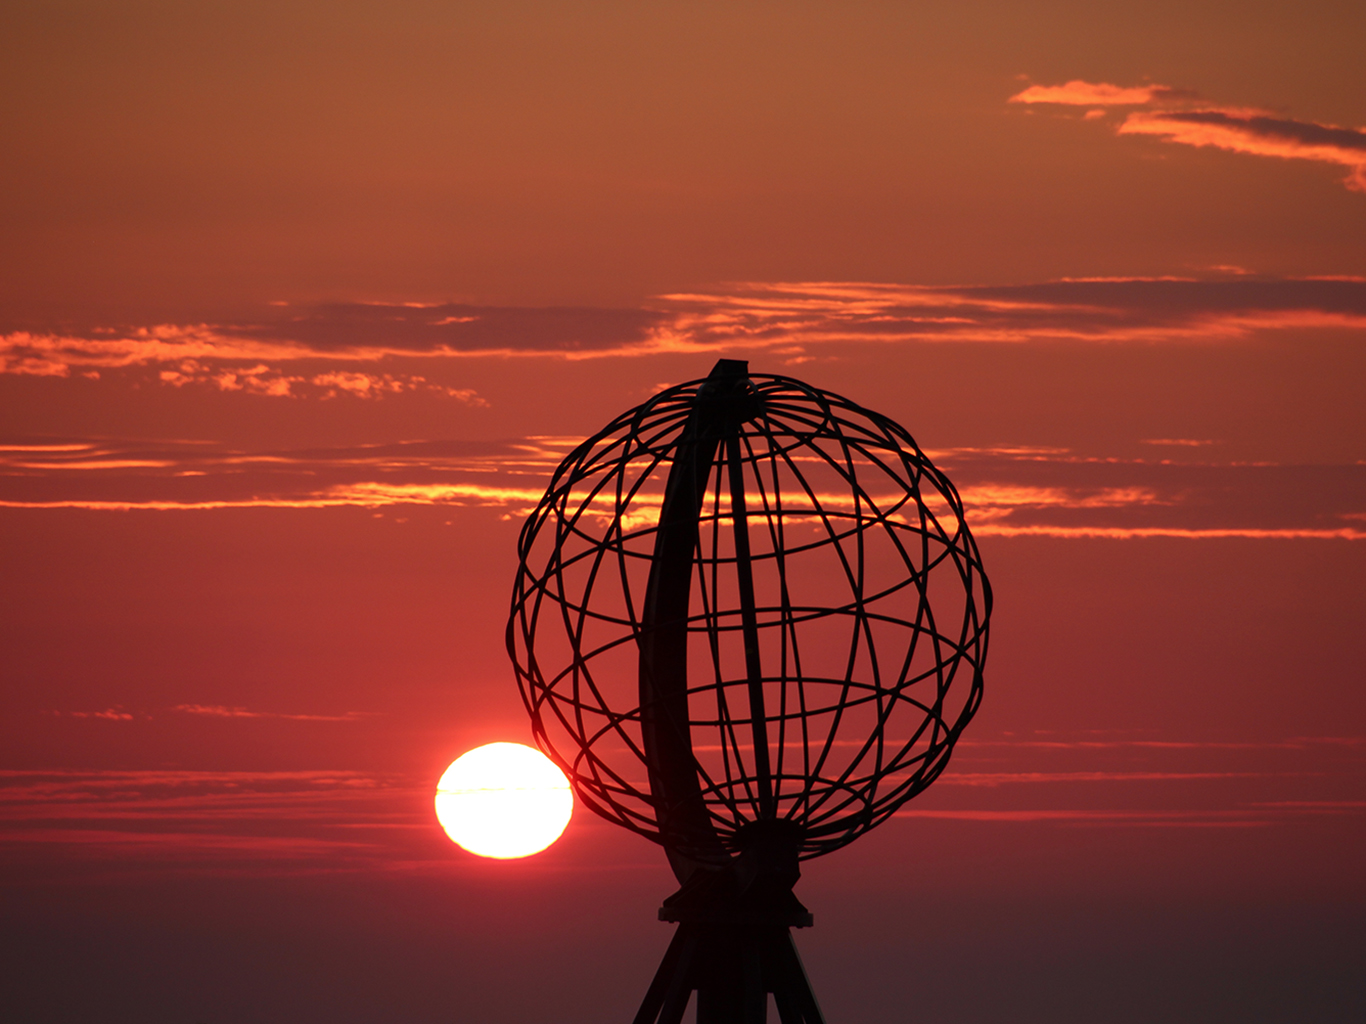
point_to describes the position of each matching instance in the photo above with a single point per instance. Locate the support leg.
(791, 989)
(670, 981)
(753, 989)
(732, 970)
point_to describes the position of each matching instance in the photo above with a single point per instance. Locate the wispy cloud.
(1099, 94)
(1182, 117)
(371, 351)
(994, 779)
(1133, 778)
(114, 714)
(793, 317)
(1259, 134)
(315, 350)
(271, 822)
(258, 821)
(223, 711)
(1007, 491)
(1036, 741)
(211, 357)
(1202, 818)
(1141, 532)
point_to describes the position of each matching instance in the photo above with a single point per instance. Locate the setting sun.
(503, 800)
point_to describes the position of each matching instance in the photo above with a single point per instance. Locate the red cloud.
(1173, 119)
(1013, 491)
(223, 711)
(1097, 94)
(1258, 134)
(323, 353)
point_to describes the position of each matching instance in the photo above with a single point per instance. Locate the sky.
(302, 303)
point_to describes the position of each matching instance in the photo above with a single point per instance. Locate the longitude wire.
(622, 500)
(799, 413)
(856, 588)
(902, 696)
(862, 526)
(789, 625)
(910, 487)
(862, 625)
(527, 618)
(968, 562)
(555, 575)
(711, 619)
(917, 627)
(932, 713)
(843, 779)
(882, 517)
(973, 632)
(812, 774)
(934, 629)
(777, 538)
(774, 424)
(581, 472)
(772, 513)
(599, 554)
(926, 614)
(745, 453)
(891, 528)
(540, 594)
(748, 782)
(554, 572)
(580, 670)
(612, 718)
(585, 675)
(656, 456)
(753, 460)
(834, 542)
(863, 619)
(815, 429)
(836, 713)
(941, 484)
(523, 588)
(914, 479)
(726, 732)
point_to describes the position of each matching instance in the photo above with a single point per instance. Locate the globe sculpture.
(750, 623)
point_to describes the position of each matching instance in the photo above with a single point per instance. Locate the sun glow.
(503, 800)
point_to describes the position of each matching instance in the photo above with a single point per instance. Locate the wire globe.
(830, 617)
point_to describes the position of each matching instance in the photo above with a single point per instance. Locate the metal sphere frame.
(749, 622)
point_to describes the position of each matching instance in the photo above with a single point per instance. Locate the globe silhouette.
(748, 607)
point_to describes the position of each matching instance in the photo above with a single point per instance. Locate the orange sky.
(301, 303)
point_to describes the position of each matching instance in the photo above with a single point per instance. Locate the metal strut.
(733, 968)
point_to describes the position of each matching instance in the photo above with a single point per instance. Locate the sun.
(503, 800)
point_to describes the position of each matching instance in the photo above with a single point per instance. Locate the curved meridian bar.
(665, 722)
